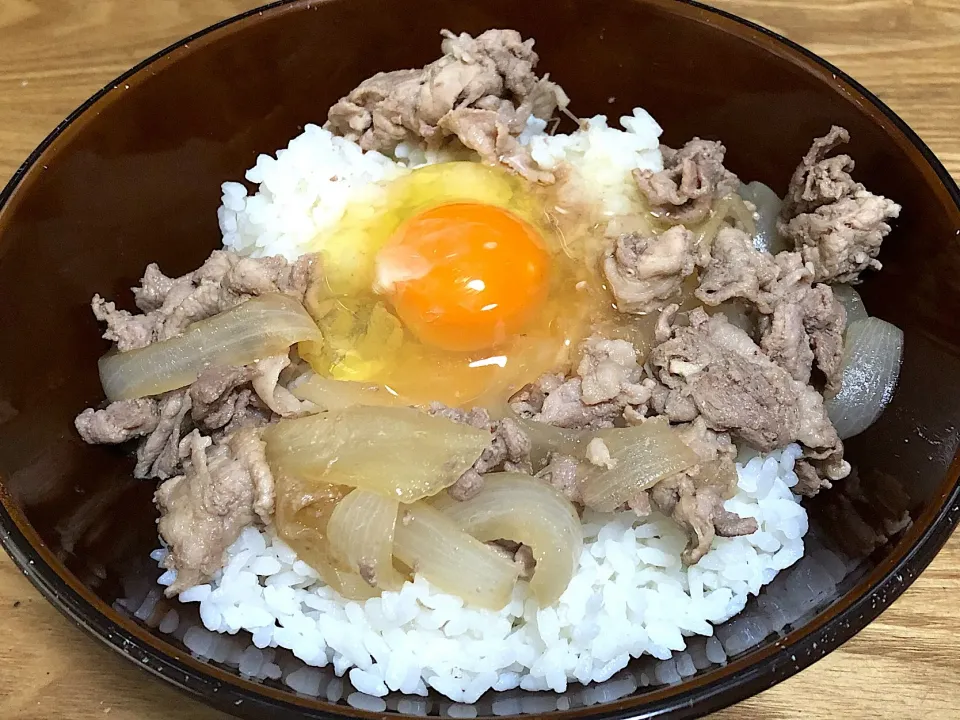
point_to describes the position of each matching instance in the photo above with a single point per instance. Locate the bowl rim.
(714, 690)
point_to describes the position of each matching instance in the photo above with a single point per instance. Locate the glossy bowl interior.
(134, 177)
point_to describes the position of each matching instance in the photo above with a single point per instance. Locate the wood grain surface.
(56, 53)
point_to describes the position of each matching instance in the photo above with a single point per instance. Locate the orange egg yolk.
(464, 276)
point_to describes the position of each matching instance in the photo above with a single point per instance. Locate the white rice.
(630, 596)
(307, 187)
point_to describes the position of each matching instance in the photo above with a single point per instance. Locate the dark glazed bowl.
(133, 177)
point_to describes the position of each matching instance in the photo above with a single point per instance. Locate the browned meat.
(158, 455)
(482, 91)
(518, 553)
(738, 270)
(509, 448)
(118, 422)
(715, 367)
(809, 481)
(692, 179)
(553, 400)
(805, 328)
(803, 323)
(222, 400)
(694, 498)
(171, 304)
(224, 488)
(833, 221)
(608, 371)
(607, 383)
(218, 394)
(562, 472)
(643, 272)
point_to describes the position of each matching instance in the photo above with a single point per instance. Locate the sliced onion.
(517, 507)
(872, 353)
(642, 456)
(361, 537)
(328, 394)
(768, 204)
(348, 585)
(730, 207)
(852, 303)
(398, 452)
(432, 545)
(260, 327)
(304, 509)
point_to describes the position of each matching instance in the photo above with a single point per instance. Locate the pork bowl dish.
(480, 394)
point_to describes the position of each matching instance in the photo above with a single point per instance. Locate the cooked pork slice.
(118, 422)
(563, 473)
(225, 487)
(482, 92)
(692, 179)
(644, 272)
(608, 382)
(803, 323)
(833, 221)
(158, 455)
(694, 498)
(509, 448)
(218, 394)
(806, 328)
(718, 369)
(171, 304)
(609, 370)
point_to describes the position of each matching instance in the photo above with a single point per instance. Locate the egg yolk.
(464, 276)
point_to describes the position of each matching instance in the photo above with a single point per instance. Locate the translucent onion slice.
(361, 532)
(852, 303)
(432, 545)
(517, 507)
(730, 207)
(642, 456)
(398, 452)
(328, 394)
(260, 327)
(768, 205)
(873, 350)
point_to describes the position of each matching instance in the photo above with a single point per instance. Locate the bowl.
(133, 177)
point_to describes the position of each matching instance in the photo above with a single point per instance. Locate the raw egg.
(464, 276)
(457, 282)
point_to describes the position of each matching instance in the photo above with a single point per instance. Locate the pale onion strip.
(433, 546)
(852, 303)
(872, 354)
(768, 204)
(361, 532)
(517, 507)
(398, 452)
(348, 585)
(642, 456)
(260, 327)
(328, 394)
(730, 207)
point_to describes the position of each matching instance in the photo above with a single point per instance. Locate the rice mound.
(630, 596)
(307, 187)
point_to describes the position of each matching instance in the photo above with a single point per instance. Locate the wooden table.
(56, 53)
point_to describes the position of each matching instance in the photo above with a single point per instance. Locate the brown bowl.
(133, 176)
